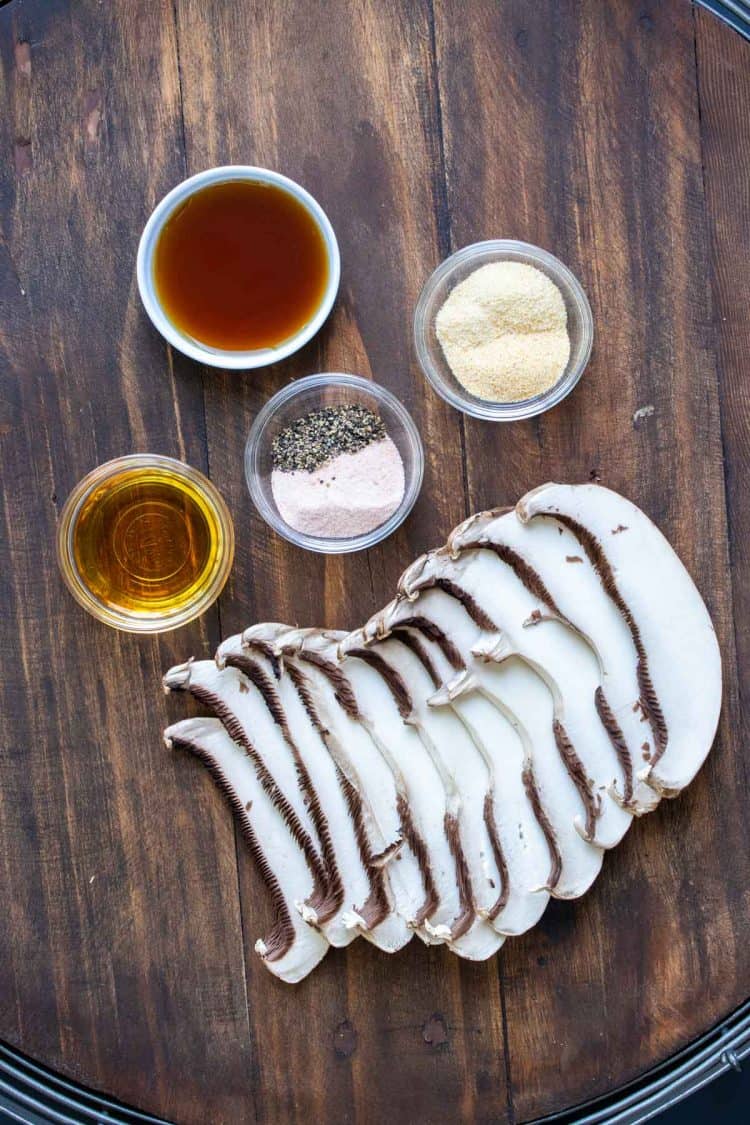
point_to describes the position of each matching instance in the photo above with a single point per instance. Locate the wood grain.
(367, 159)
(600, 162)
(615, 135)
(121, 952)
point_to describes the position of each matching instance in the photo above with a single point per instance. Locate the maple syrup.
(241, 265)
(148, 540)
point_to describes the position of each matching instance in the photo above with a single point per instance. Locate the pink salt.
(348, 495)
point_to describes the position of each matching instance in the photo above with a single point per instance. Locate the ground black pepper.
(317, 437)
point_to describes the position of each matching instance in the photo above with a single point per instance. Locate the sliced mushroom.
(465, 782)
(292, 949)
(679, 664)
(514, 686)
(354, 881)
(387, 708)
(500, 605)
(472, 750)
(240, 708)
(547, 558)
(418, 787)
(372, 782)
(526, 858)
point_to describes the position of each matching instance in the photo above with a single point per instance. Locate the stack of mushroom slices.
(546, 676)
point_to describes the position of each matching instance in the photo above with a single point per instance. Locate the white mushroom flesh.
(523, 855)
(362, 764)
(293, 948)
(449, 814)
(680, 663)
(570, 590)
(336, 828)
(525, 699)
(229, 696)
(473, 749)
(559, 655)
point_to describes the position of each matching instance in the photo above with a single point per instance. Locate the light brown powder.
(504, 332)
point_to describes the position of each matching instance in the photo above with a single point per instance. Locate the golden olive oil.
(146, 541)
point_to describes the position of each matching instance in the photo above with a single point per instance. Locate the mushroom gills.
(419, 791)
(568, 588)
(344, 850)
(366, 701)
(525, 700)
(368, 773)
(386, 701)
(679, 663)
(488, 593)
(525, 860)
(292, 948)
(239, 706)
(465, 783)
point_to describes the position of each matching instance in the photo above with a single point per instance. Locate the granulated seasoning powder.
(336, 473)
(504, 332)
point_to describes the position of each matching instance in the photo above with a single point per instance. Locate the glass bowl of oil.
(145, 543)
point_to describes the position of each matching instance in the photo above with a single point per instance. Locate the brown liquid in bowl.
(241, 266)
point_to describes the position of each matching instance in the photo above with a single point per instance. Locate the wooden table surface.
(617, 135)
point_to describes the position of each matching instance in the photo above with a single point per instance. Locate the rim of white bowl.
(412, 484)
(203, 353)
(499, 249)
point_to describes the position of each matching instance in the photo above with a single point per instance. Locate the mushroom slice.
(292, 949)
(462, 855)
(523, 855)
(513, 685)
(399, 746)
(386, 706)
(372, 785)
(353, 882)
(679, 664)
(499, 603)
(524, 699)
(547, 558)
(240, 708)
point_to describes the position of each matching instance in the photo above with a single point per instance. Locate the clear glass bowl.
(314, 393)
(211, 584)
(454, 270)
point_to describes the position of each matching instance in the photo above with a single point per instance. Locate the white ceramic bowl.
(454, 270)
(316, 392)
(203, 353)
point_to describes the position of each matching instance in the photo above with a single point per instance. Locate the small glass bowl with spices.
(334, 463)
(503, 330)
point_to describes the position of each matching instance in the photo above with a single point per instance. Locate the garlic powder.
(504, 332)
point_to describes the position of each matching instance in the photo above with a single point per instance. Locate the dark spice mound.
(323, 434)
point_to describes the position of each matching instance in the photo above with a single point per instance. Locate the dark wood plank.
(577, 128)
(120, 949)
(724, 89)
(341, 97)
